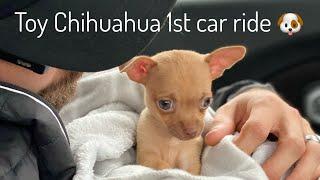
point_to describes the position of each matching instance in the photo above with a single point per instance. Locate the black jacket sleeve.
(224, 94)
(33, 141)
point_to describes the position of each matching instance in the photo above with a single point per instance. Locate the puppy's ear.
(280, 19)
(138, 68)
(224, 58)
(299, 19)
(122, 66)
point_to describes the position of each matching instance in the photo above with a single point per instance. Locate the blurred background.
(290, 63)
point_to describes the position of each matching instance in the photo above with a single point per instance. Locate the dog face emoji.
(290, 23)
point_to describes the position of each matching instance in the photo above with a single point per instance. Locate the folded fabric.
(101, 123)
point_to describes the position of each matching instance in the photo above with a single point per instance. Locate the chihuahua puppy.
(177, 93)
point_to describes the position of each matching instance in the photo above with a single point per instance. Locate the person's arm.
(222, 95)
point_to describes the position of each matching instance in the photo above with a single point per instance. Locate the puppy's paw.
(163, 165)
(156, 164)
(194, 169)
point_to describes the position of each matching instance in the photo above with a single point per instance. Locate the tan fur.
(185, 77)
(156, 146)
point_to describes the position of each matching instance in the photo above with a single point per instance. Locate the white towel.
(101, 123)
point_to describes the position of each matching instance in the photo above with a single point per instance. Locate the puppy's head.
(178, 85)
(290, 23)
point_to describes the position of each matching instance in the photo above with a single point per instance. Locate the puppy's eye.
(285, 25)
(166, 105)
(206, 102)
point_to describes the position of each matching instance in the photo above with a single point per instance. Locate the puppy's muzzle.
(190, 132)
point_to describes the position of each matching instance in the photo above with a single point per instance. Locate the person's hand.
(257, 113)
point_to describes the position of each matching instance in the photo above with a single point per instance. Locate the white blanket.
(101, 123)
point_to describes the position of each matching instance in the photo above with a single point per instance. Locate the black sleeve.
(224, 94)
(33, 141)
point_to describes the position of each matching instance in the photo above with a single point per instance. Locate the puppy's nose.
(191, 132)
(290, 29)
